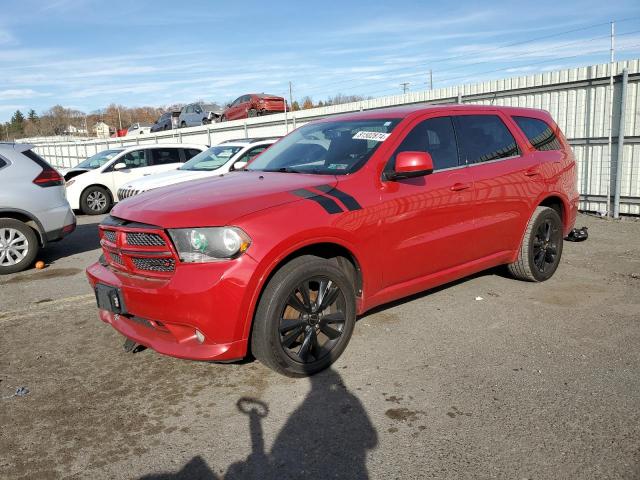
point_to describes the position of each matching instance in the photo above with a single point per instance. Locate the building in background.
(101, 130)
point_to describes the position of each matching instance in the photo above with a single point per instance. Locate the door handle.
(532, 172)
(456, 187)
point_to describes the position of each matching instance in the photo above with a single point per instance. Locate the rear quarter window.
(539, 133)
(3, 163)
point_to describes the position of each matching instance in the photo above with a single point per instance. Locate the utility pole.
(405, 86)
(119, 118)
(611, 67)
(290, 95)
(430, 79)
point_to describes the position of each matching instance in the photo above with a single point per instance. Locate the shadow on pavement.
(327, 436)
(84, 239)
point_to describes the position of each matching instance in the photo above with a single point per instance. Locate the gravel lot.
(531, 381)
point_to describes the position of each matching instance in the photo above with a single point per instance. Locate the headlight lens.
(198, 245)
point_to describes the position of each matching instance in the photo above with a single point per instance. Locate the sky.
(87, 54)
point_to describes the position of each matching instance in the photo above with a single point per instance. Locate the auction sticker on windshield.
(377, 136)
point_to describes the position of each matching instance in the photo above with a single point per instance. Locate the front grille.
(143, 239)
(116, 258)
(126, 193)
(110, 235)
(154, 264)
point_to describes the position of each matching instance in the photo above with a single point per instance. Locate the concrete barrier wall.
(577, 98)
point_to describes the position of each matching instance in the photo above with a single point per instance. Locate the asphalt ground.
(484, 378)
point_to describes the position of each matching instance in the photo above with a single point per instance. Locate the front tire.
(95, 201)
(18, 246)
(305, 317)
(252, 112)
(541, 248)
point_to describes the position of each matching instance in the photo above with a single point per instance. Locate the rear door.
(429, 219)
(506, 180)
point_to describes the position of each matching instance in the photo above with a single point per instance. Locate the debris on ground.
(479, 298)
(578, 234)
(20, 392)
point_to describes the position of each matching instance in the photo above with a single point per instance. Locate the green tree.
(17, 124)
(32, 116)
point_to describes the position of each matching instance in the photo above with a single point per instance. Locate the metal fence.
(579, 99)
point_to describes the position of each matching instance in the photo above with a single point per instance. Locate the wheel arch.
(326, 248)
(560, 205)
(28, 219)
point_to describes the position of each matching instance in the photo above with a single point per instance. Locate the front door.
(137, 164)
(428, 220)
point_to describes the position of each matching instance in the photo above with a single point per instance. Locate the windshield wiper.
(285, 170)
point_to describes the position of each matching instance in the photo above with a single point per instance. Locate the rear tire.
(95, 200)
(18, 246)
(541, 248)
(223, 118)
(296, 333)
(183, 124)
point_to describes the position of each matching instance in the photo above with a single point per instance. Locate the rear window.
(482, 138)
(539, 133)
(36, 158)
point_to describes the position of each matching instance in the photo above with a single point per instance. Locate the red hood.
(216, 201)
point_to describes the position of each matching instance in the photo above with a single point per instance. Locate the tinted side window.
(2, 163)
(435, 136)
(163, 156)
(189, 153)
(134, 159)
(253, 153)
(482, 138)
(539, 133)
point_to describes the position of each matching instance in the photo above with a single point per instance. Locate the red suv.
(253, 105)
(339, 216)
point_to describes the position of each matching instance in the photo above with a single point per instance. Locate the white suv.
(93, 184)
(219, 159)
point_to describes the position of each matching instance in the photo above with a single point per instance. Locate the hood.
(74, 172)
(216, 201)
(163, 179)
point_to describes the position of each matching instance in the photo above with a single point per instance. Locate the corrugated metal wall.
(577, 98)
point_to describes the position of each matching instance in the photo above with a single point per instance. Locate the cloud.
(6, 37)
(20, 93)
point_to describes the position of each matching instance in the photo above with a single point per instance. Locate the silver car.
(33, 206)
(199, 114)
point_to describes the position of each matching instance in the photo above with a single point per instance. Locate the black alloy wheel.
(306, 315)
(312, 320)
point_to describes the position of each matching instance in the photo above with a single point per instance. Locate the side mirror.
(410, 165)
(120, 166)
(240, 165)
(228, 105)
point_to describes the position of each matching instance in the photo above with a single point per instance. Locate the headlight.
(197, 245)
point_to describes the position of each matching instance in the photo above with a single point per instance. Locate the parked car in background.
(92, 185)
(33, 208)
(138, 129)
(163, 123)
(340, 216)
(219, 159)
(199, 114)
(253, 105)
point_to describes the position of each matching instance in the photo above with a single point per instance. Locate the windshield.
(211, 159)
(326, 148)
(98, 160)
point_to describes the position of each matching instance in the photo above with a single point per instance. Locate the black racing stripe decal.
(329, 205)
(348, 201)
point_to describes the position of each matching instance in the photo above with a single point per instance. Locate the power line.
(349, 80)
(457, 67)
